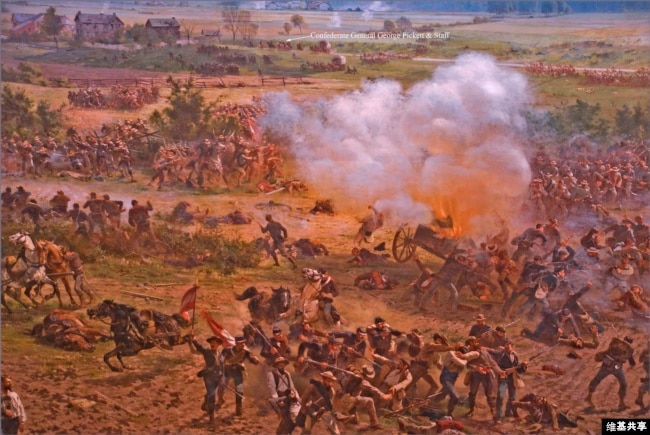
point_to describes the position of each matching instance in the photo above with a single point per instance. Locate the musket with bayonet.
(504, 326)
(331, 367)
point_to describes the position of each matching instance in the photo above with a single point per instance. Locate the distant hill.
(499, 7)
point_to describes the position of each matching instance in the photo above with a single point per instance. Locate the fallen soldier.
(308, 248)
(374, 281)
(363, 257)
(541, 411)
(234, 218)
(324, 206)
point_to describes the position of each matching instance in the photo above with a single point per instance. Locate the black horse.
(262, 309)
(134, 331)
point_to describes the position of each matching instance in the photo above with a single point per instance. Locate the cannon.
(407, 240)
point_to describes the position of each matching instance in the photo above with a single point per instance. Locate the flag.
(218, 330)
(189, 299)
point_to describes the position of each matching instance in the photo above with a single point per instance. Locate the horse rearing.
(268, 310)
(132, 333)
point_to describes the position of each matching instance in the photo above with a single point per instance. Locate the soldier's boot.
(589, 401)
(211, 415)
(220, 401)
(238, 406)
(621, 404)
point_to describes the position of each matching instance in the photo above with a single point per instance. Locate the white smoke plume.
(335, 21)
(449, 146)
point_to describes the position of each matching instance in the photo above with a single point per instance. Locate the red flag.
(189, 299)
(217, 329)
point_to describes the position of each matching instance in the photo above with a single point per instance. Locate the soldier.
(113, 210)
(426, 356)
(80, 222)
(139, 218)
(645, 382)
(579, 342)
(277, 346)
(423, 282)
(508, 361)
(234, 368)
(397, 380)
(636, 300)
(542, 411)
(480, 327)
(278, 234)
(124, 160)
(482, 367)
(8, 200)
(494, 338)
(453, 364)
(354, 344)
(369, 224)
(381, 342)
(446, 276)
(552, 326)
(34, 212)
(59, 202)
(212, 373)
(13, 412)
(317, 404)
(20, 197)
(96, 216)
(328, 290)
(618, 352)
(284, 399)
(361, 394)
(81, 285)
(321, 355)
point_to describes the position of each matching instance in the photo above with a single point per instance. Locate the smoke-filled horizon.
(450, 145)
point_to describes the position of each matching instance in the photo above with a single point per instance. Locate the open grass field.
(66, 392)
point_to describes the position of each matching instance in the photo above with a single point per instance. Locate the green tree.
(52, 25)
(19, 115)
(287, 28)
(248, 30)
(403, 24)
(298, 21)
(50, 121)
(389, 26)
(188, 115)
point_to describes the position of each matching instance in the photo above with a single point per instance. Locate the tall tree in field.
(287, 28)
(298, 21)
(234, 19)
(52, 25)
(188, 29)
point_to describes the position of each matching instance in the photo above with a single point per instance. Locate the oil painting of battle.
(328, 217)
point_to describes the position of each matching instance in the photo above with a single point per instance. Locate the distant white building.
(281, 5)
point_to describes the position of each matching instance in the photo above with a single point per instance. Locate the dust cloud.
(448, 146)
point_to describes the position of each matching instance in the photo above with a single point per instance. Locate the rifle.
(543, 352)
(331, 367)
(505, 326)
(261, 334)
(419, 402)
(359, 355)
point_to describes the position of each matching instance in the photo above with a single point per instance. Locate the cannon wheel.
(403, 244)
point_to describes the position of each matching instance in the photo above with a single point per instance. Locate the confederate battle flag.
(189, 299)
(217, 329)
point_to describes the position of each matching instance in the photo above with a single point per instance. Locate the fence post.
(283, 82)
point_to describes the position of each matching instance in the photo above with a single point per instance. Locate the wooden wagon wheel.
(403, 244)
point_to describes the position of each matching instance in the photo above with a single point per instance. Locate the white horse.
(27, 269)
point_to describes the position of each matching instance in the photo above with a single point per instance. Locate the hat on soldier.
(213, 338)
(279, 360)
(470, 340)
(379, 320)
(500, 329)
(416, 331)
(368, 371)
(628, 339)
(361, 330)
(480, 317)
(328, 375)
(240, 339)
(277, 330)
(438, 336)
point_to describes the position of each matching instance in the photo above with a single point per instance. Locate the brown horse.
(56, 267)
(66, 330)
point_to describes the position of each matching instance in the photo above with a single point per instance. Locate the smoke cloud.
(449, 146)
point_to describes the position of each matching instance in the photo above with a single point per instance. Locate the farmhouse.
(164, 26)
(96, 27)
(30, 24)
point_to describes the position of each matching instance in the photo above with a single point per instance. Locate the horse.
(269, 310)
(27, 269)
(132, 333)
(55, 265)
(308, 305)
(66, 330)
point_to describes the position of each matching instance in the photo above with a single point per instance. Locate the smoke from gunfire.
(450, 145)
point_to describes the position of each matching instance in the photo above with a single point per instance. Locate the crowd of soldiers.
(121, 97)
(608, 77)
